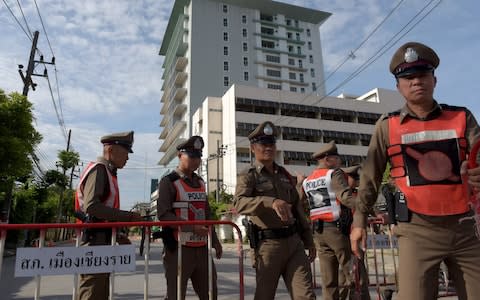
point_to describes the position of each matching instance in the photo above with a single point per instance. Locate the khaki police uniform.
(95, 189)
(194, 259)
(333, 246)
(425, 240)
(281, 245)
(353, 172)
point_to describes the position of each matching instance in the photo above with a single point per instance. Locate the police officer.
(183, 197)
(330, 198)
(425, 143)
(97, 197)
(353, 180)
(266, 192)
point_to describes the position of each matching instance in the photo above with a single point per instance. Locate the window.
(225, 81)
(268, 44)
(312, 72)
(299, 50)
(225, 50)
(289, 35)
(291, 61)
(274, 73)
(244, 32)
(301, 77)
(225, 65)
(225, 8)
(297, 35)
(245, 61)
(245, 76)
(267, 30)
(290, 49)
(245, 47)
(274, 86)
(309, 45)
(300, 63)
(225, 36)
(225, 22)
(244, 19)
(292, 76)
(293, 89)
(302, 90)
(310, 58)
(314, 86)
(273, 58)
(308, 32)
(296, 23)
(288, 22)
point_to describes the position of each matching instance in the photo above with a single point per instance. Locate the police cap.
(192, 147)
(327, 149)
(124, 139)
(413, 58)
(265, 133)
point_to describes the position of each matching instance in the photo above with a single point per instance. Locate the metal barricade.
(381, 261)
(114, 226)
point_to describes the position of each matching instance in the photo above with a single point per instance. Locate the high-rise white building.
(305, 123)
(211, 44)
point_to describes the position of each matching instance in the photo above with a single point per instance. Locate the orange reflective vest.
(111, 200)
(323, 203)
(190, 204)
(425, 157)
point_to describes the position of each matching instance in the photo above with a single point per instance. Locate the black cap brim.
(414, 70)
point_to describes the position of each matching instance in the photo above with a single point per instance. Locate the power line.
(24, 19)
(18, 22)
(43, 26)
(60, 120)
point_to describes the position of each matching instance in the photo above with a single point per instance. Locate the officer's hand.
(358, 239)
(312, 253)
(218, 250)
(283, 209)
(300, 177)
(200, 230)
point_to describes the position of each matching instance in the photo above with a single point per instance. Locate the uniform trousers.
(427, 241)
(283, 257)
(194, 267)
(334, 253)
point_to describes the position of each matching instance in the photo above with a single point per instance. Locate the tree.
(18, 139)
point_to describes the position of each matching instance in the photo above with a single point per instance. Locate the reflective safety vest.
(323, 203)
(111, 200)
(190, 204)
(425, 157)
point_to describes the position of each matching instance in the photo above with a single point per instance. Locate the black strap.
(277, 233)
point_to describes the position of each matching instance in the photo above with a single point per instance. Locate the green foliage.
(222, 207)
(18, 137)
(68, 159)
(55, 177)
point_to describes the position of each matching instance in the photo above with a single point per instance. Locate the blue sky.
(109, 71)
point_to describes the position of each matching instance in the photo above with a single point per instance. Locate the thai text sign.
(72, 260)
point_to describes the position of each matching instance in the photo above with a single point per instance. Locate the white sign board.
(382, 241)
(72, 260)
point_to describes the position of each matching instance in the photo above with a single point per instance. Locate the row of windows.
(226, 79)
(226, 50)
(301, 158)
(226, 37)
(305, 111)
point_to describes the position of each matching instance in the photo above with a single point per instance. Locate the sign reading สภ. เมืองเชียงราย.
(72, 260)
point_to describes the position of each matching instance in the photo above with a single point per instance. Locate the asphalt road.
(130, 285)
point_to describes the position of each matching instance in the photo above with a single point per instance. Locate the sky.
(107, 75)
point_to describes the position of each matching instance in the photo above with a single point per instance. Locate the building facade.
(211, 44)
(306, 122)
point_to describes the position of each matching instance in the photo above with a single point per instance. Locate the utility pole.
(220, 152)
(62, 190)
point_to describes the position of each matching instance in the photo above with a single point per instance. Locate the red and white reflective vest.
(190, 204)
(323, 203)
(113, 197)
(426, 157)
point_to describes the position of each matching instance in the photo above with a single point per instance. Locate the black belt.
(277, 233)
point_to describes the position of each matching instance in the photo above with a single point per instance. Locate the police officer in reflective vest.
(330, 200)
(182, 196)
(279, 231)
(425, 143)
(98, 200)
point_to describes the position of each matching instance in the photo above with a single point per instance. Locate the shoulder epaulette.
(391, 114)
(452, 107)
(173, 176)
